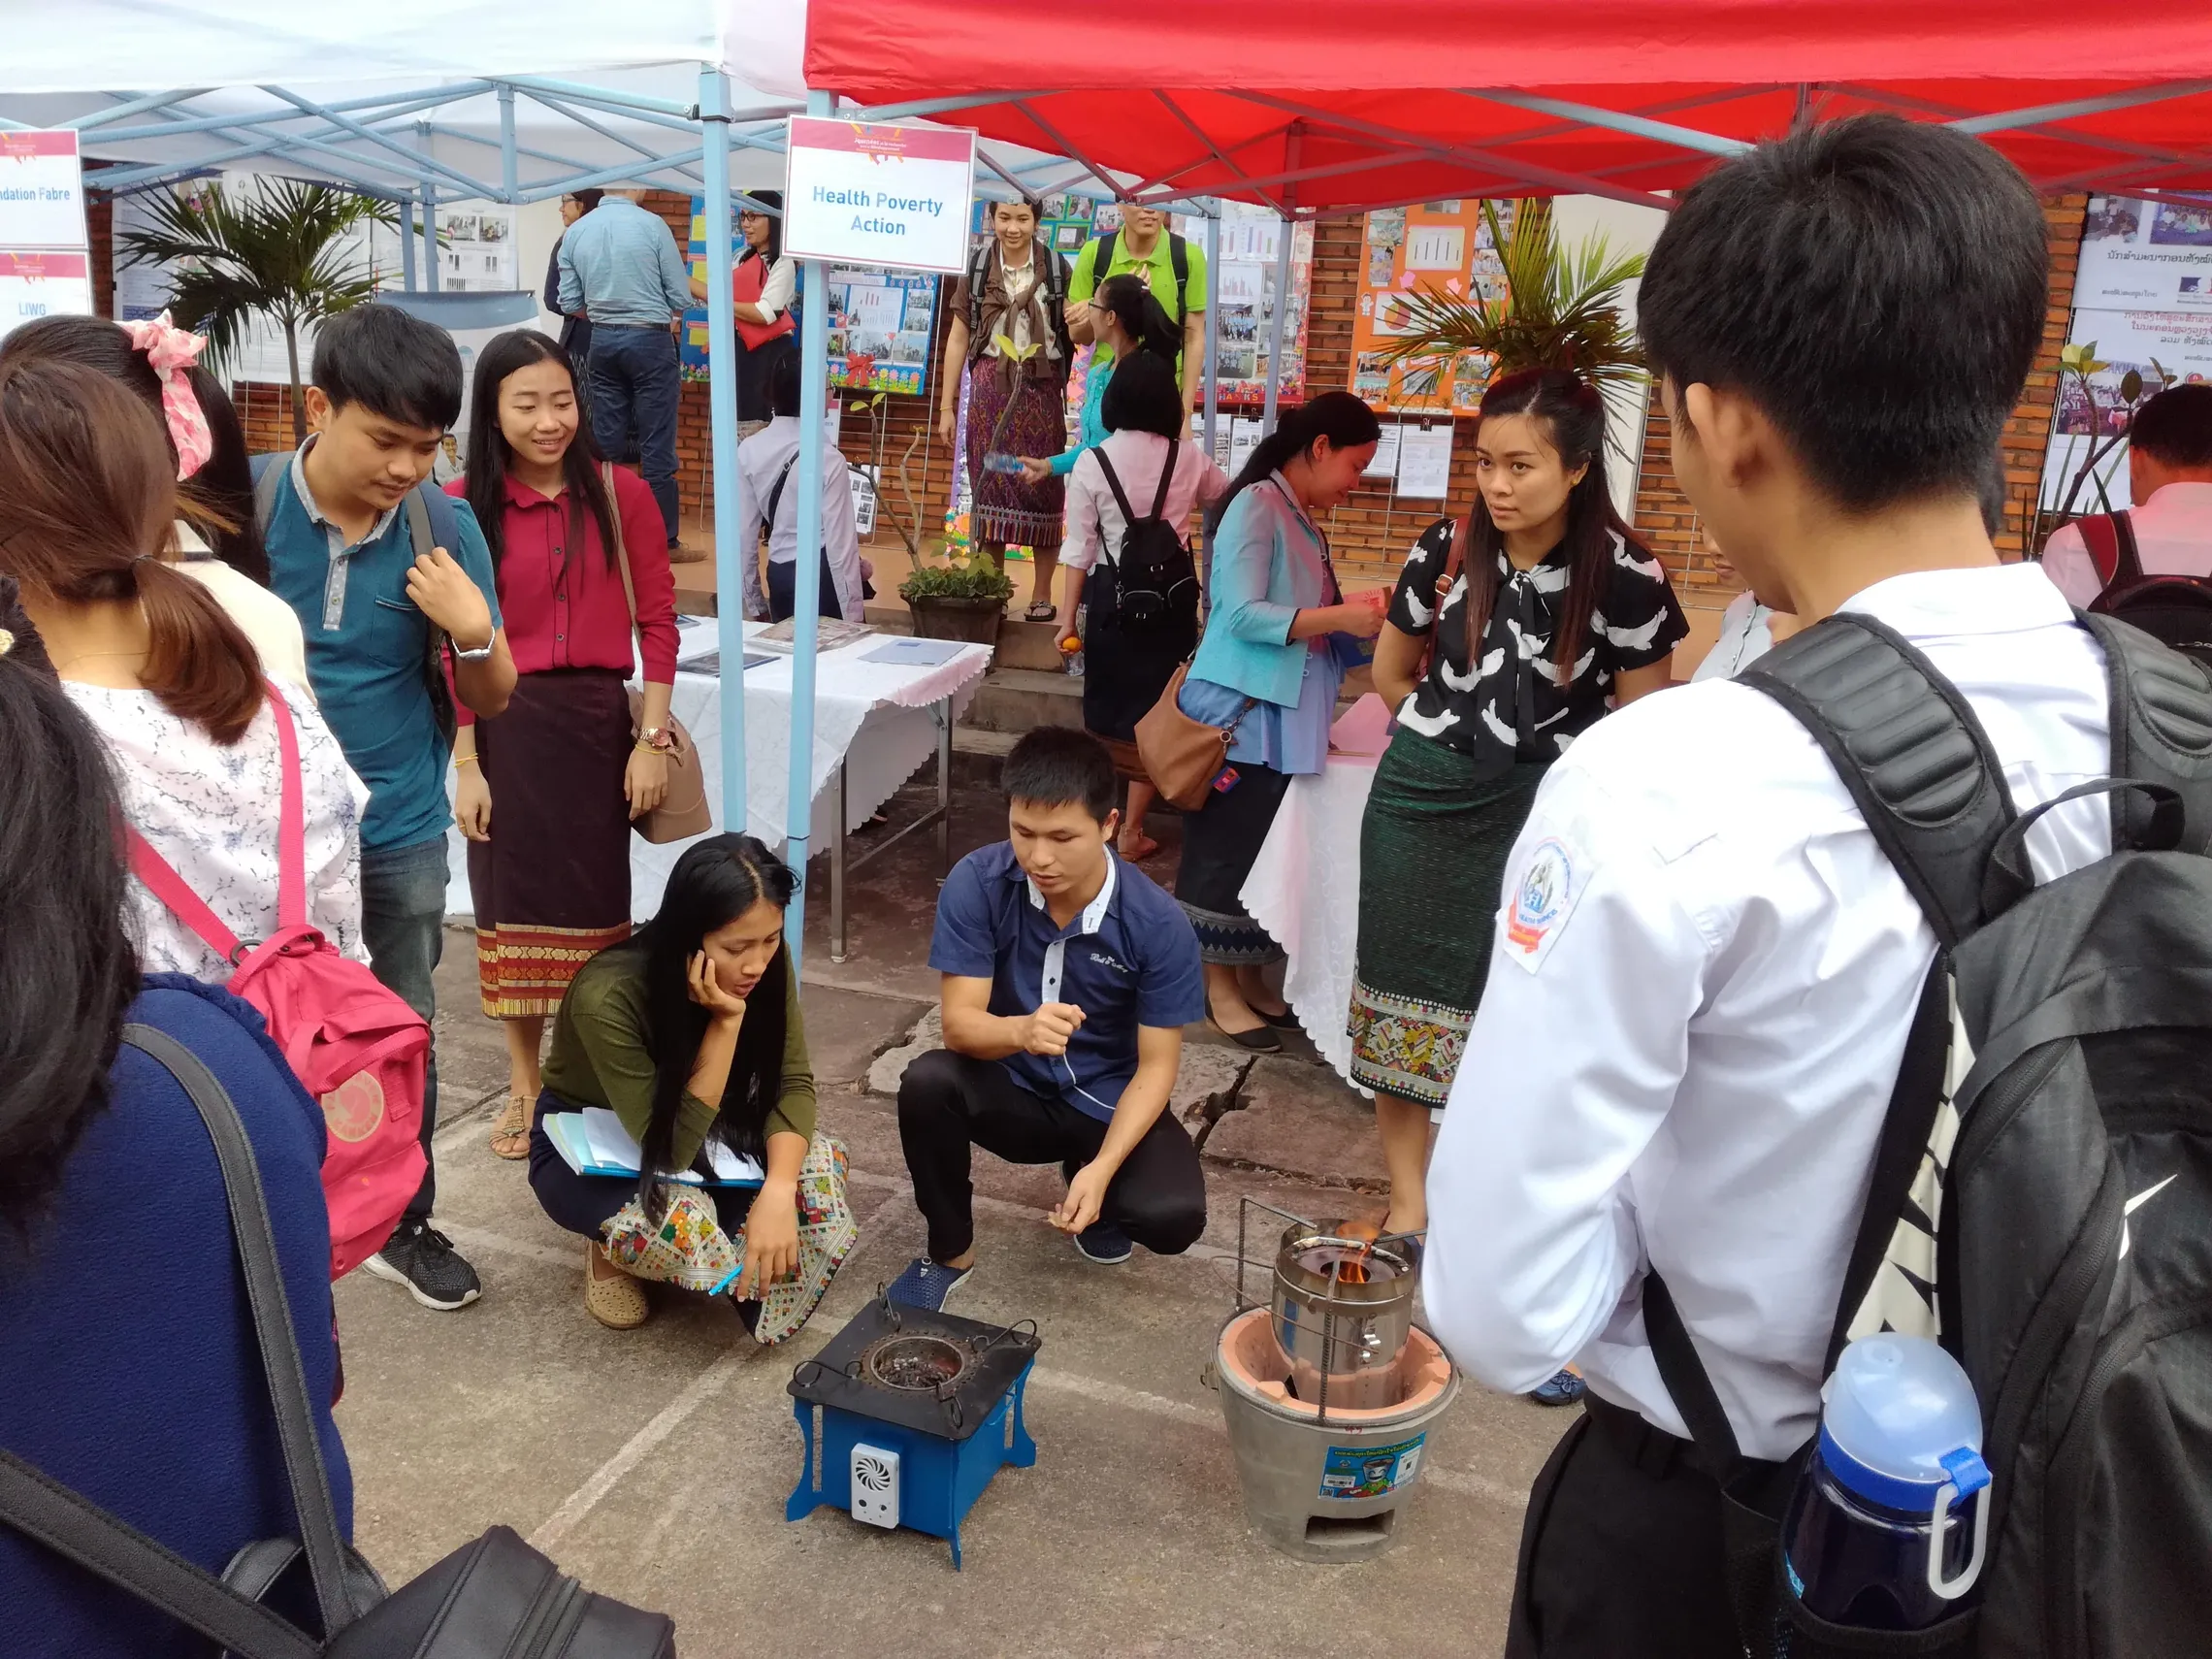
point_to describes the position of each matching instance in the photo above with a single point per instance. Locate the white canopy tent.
(430, 100)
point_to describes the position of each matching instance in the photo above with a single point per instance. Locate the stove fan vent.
(875, 1485)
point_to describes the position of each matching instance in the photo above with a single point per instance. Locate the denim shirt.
(619, 266)
(1269, 561)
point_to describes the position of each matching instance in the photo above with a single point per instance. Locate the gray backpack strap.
(1909, 749)
(2162, 729)
(422, 535)
(267, 479)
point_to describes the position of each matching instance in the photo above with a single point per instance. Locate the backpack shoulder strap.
(432, 521)
(1166, 477)
(430, 526)
(979, 270)
(775, 495)
(1908, 747)
(2130, 564)
(160, 878)
(1113, 483)
(1102, 262)
(2161, 729)
(267, 479)
(291, 817)
(1178, 256)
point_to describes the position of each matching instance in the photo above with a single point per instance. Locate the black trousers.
(585, 1203)
(1622, 1552)
(949, 1102)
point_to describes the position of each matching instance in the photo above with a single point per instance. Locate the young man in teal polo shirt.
(385, 388)
(1144, 245)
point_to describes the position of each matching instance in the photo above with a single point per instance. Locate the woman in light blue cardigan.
(1279, 640)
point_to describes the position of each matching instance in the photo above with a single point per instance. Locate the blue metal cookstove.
(907, 1416)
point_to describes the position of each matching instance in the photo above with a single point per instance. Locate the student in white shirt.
(1706, 968)
(768, 500)
(2169, 475)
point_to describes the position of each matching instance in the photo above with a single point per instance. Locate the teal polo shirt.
(366, 644)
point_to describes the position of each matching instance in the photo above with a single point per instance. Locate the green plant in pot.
(961, 598)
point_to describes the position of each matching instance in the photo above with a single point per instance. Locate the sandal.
(510, 1135)
(612, 1297)
(1043, 611)
(1144, 848)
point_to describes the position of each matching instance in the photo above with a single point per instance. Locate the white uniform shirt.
(760, 460)
(1743, 640)
(2173, 538)
(1095, 520)
(1698, 999)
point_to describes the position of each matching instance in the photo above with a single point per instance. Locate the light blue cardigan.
(1267, 564)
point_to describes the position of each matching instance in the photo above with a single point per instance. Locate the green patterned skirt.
(1432, 860)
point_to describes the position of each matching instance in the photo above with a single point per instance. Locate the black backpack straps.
(979, 271)
(2130, 566)
(1166, 477)
(2162, 729)
(775, 497)
(1909, 749)
(1102, 262)
(1178, 256)
(314, 1512)
(1121, 500)
(1688, 1385)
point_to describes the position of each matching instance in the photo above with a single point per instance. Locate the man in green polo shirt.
(1173, 267)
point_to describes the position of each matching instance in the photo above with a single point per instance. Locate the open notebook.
(594, 1142)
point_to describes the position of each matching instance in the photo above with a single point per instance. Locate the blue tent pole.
(721, 412)
(806, 586)
(1282, 236)
(1213, 381)
(430, 237)
(407, 244)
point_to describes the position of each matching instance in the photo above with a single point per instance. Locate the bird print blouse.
(1504, 702)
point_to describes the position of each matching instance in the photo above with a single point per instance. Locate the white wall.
(1627, 229)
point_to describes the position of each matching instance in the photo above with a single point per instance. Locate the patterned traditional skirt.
(1219, 842)
(1431, 855)
(1006, 506)
(552, 885)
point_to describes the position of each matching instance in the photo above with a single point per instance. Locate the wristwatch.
(658, 739)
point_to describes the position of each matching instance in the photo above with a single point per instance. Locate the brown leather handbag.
(683, 811)
(1183, 755)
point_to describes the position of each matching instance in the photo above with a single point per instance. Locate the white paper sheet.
(1424, 461)
(611, 1143)
(1386, 462)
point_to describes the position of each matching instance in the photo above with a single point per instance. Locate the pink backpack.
(358, 1048)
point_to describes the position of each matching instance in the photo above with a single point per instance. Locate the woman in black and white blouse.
(1550, 615)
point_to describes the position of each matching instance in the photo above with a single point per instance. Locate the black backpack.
(1178, 258)
(2043, 1182)
(495, 1598)
(1156, 579)
(2175, 608)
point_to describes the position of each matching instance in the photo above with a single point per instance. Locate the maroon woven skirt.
(1006, 506)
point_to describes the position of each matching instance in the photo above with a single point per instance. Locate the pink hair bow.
(171, 352)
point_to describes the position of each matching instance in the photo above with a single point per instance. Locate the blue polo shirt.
(366, 645)
(1128, 959)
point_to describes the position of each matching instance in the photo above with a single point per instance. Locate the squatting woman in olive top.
(689, 1032)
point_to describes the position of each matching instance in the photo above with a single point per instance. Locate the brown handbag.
(1183, 755)
(1462, 532)
(683, 811)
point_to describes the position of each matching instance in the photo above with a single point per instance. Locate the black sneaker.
(424, 1260)
(1104, 1245)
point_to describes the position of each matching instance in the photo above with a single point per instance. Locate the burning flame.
(1354, 1271)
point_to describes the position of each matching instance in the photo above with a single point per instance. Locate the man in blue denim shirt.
(1068, 978)
(385, 388)
(620, 268)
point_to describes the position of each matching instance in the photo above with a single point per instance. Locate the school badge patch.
(1543, 897)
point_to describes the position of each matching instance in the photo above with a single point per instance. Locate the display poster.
(1241, 289)
(880, 328)
(46, 266)
(477, 248)
(2143, 300)
(857, 193)
(1440, 248)
(1424, 459)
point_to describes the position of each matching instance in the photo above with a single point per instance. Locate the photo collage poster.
(1439, 247)
(475, 248)
(2143, 300)
(1242, 293)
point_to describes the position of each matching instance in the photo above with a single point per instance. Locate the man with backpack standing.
(1782, 1044)
(2152, 564)
(1172, 268)
(391, 581)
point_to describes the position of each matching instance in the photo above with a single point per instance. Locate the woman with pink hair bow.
(217, 539)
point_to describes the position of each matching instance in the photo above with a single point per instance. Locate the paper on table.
(1386, 462)
(1363, 728)
(609, 1142)
(1424, 459)
(915, 653)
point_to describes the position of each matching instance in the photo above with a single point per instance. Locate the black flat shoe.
(1287, 1020)
(1263, 1041)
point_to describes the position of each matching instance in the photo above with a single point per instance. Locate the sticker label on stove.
(1370, 1471)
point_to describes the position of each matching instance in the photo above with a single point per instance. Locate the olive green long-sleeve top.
(598, 1059)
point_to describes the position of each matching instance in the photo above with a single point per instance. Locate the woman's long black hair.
(1572, 414)
(67, 969)
(1338, 416)
(1143, 318)
(767, 199)
(713, 884)
(486, 461)
(217, 499)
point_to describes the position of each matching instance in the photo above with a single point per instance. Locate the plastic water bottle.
(1885, 1531)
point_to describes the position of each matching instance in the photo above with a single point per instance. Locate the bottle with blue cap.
(1890, 1523)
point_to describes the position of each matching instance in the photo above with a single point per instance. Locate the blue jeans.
(636, 384)
(402, 923)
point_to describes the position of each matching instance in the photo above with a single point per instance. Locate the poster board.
(477, 248)
(1241, 290)
(881, 324)
(1442, 247)
(2144, 299)
(46, 265)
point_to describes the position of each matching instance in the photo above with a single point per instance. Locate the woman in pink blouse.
(547, 792)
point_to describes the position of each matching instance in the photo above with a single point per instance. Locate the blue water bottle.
(1879, 1534)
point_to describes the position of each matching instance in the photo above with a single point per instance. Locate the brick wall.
(1665, 517)
(100, 229)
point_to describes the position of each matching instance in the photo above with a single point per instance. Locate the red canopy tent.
(1333, 106)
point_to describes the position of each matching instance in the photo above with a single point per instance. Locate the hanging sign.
(37, 284)
(863, 194)
(44, 258)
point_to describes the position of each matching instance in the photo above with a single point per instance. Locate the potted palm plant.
(1559, 308)
(273, 252)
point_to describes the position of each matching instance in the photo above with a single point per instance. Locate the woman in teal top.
(1127, 318)
(1279, 639)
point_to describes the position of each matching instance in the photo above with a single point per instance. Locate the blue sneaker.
(1104, 1245)
(1561, 1388)
(926, 1284)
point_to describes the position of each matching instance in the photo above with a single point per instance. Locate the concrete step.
(1014, 700)
(977, 754)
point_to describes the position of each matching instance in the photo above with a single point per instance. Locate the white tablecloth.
(872, 716)
(1304, 886)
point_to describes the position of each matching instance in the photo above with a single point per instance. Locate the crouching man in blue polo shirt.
(1068, 978)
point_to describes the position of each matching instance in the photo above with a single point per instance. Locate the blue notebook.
(594, 1142)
